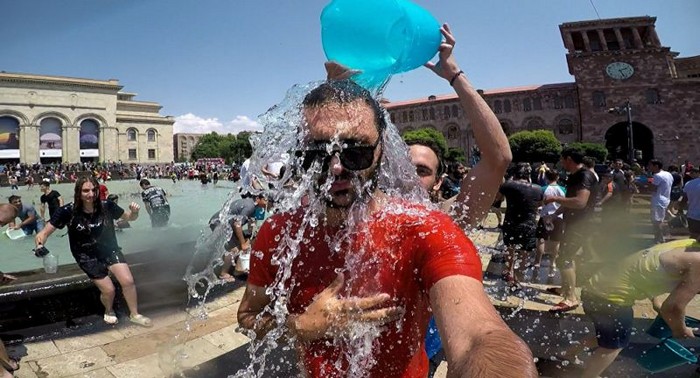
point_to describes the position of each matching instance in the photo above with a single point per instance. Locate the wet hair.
(112, 197)
(522, 171)
(657, 163)
(589, 162)
(13, 197)
(673, 168)
(574, 153)
(77, 200)
(45, 183)
(344, 92)
(144, 182)
(552, 175)
(435, 148)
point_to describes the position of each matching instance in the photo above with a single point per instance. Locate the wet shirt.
(51, 200)
(638, 276)
(583, 179)
(523, 200)
(552, 191)
(401, 253)
(26, 211)
(89, 234)
(692, 191)
(241, 211)
(663, 181)
(154, 197)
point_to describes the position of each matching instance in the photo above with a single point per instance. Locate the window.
(506, 106)
(569, 102)
(151, 154)
(653, 96)
(432, 114)
(535, 123)
(151, 135)
(565, 127)
(611, 39)
(446, 112)
(594, 41)
(132, 154)
(537, 103)
(527, 105)
(599, 99)
(497, 106)
(455, 111)
(452, 132)
(131, 135)
(425, 114)
(411, 116)
(404, 117)
(558, 102)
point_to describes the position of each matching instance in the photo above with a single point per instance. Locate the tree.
(230, 147)
(533, 146)
(455, 155)
(427, 135)
(594, 150)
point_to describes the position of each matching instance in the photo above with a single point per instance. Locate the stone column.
(569, 42)
(586, 41)
(29, 144)
(653, 36)
(603, 41)
(637, 38)
(620, 40)
(64, 144)
(72, 143)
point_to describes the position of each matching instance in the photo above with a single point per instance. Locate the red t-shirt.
(103, 192)
(401, 254)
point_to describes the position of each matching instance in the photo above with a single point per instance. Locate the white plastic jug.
(51, 263)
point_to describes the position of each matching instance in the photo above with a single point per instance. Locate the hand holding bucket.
(378, 37)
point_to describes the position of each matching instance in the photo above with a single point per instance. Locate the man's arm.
(478, 188)
(673, 308)
(608, 195)
(131, 213)
(60, 201)
(42, 209)
(578, 202)
(253, 303)
(476, 340)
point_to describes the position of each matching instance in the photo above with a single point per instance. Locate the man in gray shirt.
(31, 221)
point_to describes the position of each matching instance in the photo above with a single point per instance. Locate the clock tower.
(615, 61)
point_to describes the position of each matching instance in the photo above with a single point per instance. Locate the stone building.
(614, 62)
(183, 144)
(61, 119)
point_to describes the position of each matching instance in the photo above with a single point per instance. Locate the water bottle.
(50, 263)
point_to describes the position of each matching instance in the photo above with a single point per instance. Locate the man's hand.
(13, 226)
(337, 71)
(6, 278)
(328, 315)
(134, 207)
(245, 246)
(447, 66)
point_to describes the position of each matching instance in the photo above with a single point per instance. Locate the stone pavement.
(209, 346)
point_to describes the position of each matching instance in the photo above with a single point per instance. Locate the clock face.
(619, 70)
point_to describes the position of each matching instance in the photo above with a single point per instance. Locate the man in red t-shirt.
(371, 267)
(104, 192)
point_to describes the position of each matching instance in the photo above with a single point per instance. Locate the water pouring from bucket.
(380, 38)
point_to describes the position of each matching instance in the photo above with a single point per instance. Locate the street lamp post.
(627, 109)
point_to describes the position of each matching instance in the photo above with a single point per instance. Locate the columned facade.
(59, 119)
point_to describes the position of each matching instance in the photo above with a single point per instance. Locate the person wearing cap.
(242, 220)
(31, 221)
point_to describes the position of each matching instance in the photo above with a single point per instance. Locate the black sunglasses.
(353, 155)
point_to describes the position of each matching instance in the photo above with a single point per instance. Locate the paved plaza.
(185, 340)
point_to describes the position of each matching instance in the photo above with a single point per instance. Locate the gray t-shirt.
(26, 211)
(241, 211)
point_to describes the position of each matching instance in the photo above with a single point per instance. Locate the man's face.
(618, 164)
(568, 164)
(341, 124)
(44, 188)
(17, 203)
(427, 165)
(652, 168)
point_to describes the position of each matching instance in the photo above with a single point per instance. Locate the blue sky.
(216, 65)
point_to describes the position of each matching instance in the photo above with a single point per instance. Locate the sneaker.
(141, 320)
(111, 318)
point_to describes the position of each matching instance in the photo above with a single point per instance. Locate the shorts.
(694, 227)
(522, 237)
(574, 245)
(613, 323)
(658, 212)
(554, 234)
(97, 267)
(34, 227)
(676, 193)
(160, 216)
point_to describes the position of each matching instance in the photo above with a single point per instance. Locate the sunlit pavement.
(182, 340)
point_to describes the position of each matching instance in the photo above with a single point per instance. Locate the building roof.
(59, 80)
(490, 92)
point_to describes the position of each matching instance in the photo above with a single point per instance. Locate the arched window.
(534, 124)
(131, 135)
(432, 114)
(565, 126)
(89, 134)
(527, 105)
(404, 117)
(506, 106)
(537, 103)
(569, 101)
(9, 134)
(411, 116)
(452, 132)
(50, 134)
(599, 99)
(425, 114)
(446, 112)
(151, 135)
(653, 96)
(497, 106)
(455, 111)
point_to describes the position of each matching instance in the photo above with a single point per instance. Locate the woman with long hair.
(93, 244)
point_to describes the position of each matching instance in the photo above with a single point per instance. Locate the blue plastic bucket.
(660, 329)
(666, 355)
(378, 37)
